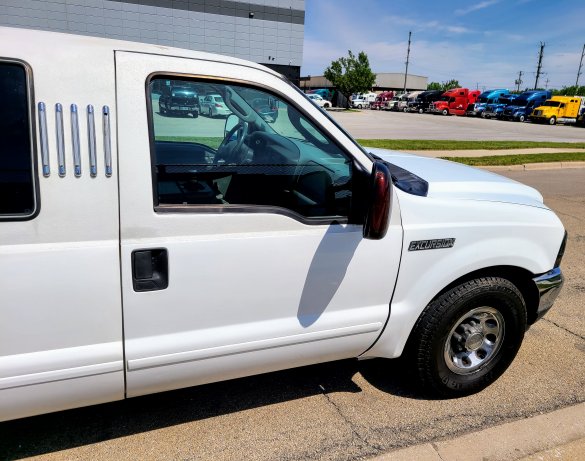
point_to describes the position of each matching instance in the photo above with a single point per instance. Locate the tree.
(443, 86)
(351, 74)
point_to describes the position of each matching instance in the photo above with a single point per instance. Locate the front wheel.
(445, 112)
(552, 121)
(359, 106)
(420, 111)
(522, 118)
(467, 337)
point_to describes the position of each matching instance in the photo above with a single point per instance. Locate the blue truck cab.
(496, 110)
(525, 103)
(485, 98)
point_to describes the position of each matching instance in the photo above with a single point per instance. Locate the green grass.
(212, 142)
(416, 144)
(520, 159)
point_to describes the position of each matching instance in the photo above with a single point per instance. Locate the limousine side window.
(229, 146)
(17, 183)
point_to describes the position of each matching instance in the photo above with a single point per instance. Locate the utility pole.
(407, 58)
(518, 81)
(546, 84)
(580, 66)
(539, 66)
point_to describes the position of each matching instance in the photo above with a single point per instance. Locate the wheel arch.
(390, 346)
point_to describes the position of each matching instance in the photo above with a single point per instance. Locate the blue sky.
(480, 43)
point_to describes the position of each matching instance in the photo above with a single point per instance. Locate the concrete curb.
(558, 432)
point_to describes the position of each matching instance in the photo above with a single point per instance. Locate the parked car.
(485, 98)
(558, 109)
(142, 254)
(179, 100)
(455, 101)
(319, 100)
(524, 104)
(323, 92)
(213, 105)
(381, 100)
(496, 109)
(422, 102)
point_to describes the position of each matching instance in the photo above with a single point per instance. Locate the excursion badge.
(436, 244)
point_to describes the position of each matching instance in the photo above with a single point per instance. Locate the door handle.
(150, 269)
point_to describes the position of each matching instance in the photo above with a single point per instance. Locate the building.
(270, 32)
(385, 81)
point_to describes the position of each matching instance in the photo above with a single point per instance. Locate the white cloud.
(479, 6)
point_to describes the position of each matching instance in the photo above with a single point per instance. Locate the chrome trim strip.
(91, 141)
(75, 140)
(252, 346)
(549, 286)
(60, 139)
(60, 375)
(107, 140)
(44, 139)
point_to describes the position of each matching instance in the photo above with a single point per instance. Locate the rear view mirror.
(378, 208)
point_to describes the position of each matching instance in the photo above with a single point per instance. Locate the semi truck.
(381, 100)
(559, 109)
(496, 110)
(485, 98)
(455, 101)
(422, 102)
(524, 104)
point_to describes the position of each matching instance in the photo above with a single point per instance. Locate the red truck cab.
(455, 101)
(381, 100)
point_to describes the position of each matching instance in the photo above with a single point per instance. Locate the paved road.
(339, 411)
(373, 124)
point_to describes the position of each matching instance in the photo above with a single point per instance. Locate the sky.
(482, 44)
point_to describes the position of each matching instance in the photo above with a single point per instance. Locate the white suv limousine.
(141, 252)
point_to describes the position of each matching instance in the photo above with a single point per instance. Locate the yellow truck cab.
(562, 109)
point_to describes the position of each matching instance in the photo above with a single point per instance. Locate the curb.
(558, 432)
(535, 166)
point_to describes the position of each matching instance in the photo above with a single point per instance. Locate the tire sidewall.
(499, 294)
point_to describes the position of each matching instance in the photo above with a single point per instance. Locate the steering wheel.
(230, 150)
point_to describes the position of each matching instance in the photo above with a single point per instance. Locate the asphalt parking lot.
(337, 411)
(374, 124)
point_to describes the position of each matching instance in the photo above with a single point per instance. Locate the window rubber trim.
(32, 139)
(357, 168)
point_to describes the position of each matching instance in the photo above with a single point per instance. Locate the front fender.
(487, 234)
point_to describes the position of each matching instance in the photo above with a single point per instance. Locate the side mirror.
(230, 123)
(378, 211)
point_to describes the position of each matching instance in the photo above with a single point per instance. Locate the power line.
(539, 66)
(407, 58)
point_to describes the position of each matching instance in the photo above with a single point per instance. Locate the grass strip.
(423, 144)
(520, 159)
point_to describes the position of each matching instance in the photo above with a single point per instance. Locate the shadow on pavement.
(68, 429)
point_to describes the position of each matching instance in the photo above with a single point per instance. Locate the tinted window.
(256, 149)
(17, 194)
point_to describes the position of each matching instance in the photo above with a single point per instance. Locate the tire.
(552, 121)
(161, 111)
(405, 110)
(445, 112)
(210, 113)
(326, 105)
(359, 106)
(421, 111)
(467, 337)
(522, 118)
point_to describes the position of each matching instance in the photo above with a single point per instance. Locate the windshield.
(552, 103)
(520, 102)
(482, 99)
(444, 98)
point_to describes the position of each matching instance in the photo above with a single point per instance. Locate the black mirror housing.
(378, 208)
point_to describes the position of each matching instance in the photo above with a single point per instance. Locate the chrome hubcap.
(474, 340)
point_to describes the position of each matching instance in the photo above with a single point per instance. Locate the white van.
(362, 101)
(142, 250)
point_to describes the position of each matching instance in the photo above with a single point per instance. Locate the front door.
(240, 249)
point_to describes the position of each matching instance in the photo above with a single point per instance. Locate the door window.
(17, 180)
(253, 149)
